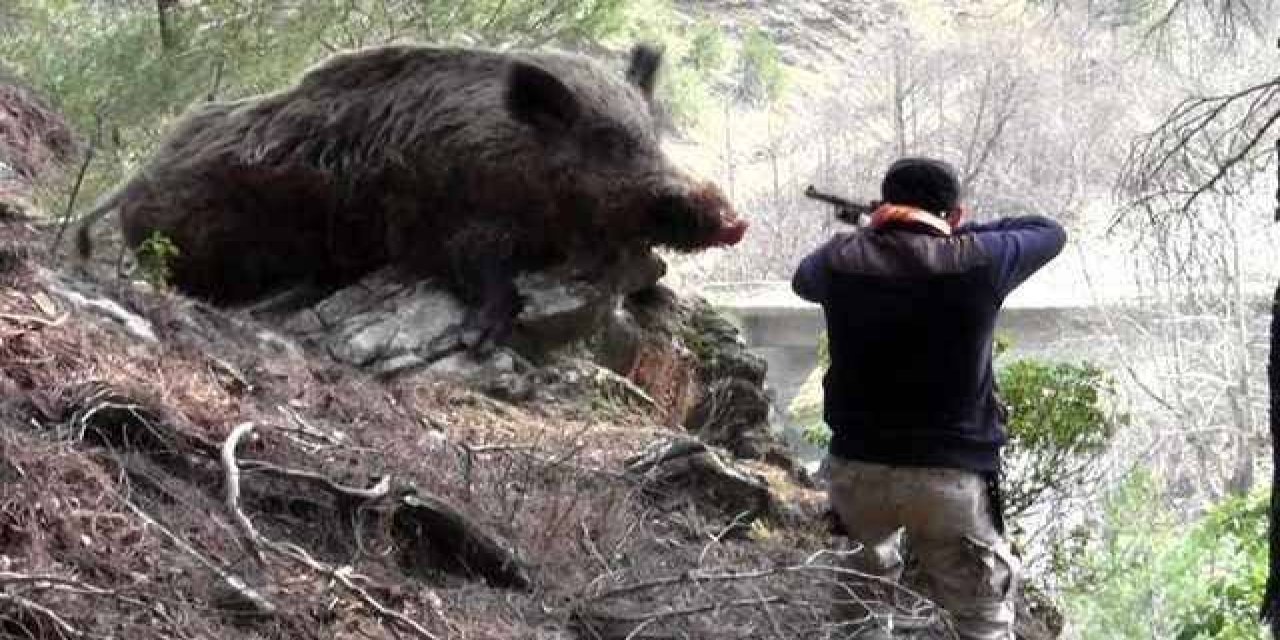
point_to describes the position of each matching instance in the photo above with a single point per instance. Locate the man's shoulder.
(906, 253)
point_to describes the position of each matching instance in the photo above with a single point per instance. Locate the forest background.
(1146, 126)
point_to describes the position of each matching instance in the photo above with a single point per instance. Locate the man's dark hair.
(924, 183)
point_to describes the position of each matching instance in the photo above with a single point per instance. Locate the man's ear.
(957, 215)
(538, 98)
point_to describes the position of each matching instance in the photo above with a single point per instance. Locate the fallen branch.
(378, 491)
(703, 608)
(606, 625)
(696, 577)
(66, 628)
(341, 575)
(344, 576)
(62, 584)
(232, 471)
(75, 188)
(334, 438)
(259, 603)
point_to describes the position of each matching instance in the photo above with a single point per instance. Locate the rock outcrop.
(679, 357)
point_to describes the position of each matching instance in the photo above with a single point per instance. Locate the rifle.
(846, 211)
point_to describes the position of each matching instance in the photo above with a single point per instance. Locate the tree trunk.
(1271, 598)
(899, 104)
(168, 39)
(730, 163)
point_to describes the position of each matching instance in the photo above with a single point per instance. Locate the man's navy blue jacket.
(911, 314)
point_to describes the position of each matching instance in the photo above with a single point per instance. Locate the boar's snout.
(700, 217)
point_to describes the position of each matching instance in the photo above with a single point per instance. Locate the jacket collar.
(894, 215)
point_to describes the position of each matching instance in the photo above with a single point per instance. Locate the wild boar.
(468, 165)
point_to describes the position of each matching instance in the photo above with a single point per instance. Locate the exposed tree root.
(430, 535)
(343, 576)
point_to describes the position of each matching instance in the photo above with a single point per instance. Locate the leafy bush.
(1060, 422)
(1145, 575)
(761, 73)
(806, 408)
(155, 259)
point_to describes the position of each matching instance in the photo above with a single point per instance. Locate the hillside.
(348, 507)
(178, 471)
(814, 35)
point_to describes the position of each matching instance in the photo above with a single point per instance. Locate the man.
(911, 305)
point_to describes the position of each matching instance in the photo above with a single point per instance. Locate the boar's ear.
(536, 97)
(642, 71)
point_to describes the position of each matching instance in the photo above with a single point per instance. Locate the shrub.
(1144, 574)
(155, 259)
(1061, 420)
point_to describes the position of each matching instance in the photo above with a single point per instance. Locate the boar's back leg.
(482, 271)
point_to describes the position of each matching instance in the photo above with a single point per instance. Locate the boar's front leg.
(482, 273)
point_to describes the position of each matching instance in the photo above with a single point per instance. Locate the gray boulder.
(390, 326)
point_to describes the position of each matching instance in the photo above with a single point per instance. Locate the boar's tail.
(84, 243)
(1271, 599)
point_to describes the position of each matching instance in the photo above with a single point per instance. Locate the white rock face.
(82, 298)
(388, 325)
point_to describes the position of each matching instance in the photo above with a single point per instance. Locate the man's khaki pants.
(945, 513)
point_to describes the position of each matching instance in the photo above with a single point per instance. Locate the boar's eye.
(612, 144)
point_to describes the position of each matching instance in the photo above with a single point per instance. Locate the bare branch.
(66, 628)
(251, 596)
(232, 471)
(342, 575)
(1197, 149)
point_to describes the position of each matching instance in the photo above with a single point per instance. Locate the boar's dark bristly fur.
(466, 164)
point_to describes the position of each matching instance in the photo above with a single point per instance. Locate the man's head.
(923, 183)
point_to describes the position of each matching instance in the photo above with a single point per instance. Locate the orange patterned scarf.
(889, 214)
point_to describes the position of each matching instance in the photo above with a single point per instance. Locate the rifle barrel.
(846, 210)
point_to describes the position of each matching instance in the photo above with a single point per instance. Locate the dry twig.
(342, 575)
(259, 602)
(64, 627)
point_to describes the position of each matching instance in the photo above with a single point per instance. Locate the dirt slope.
(118, 517)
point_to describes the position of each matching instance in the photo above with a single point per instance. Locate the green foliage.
(695, 56)
(817, 433)
(806, 407)
(707, 49)
(1145, 575)
(1002, 344)
(761, 73)
(1057, 405)
(155, 259)
(1232, 545)
(1059, 424)
(136, 65)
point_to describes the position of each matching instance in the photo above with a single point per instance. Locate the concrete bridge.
(1048, 318)
(784, 329)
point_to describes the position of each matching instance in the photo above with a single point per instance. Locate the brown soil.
(114, 520)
